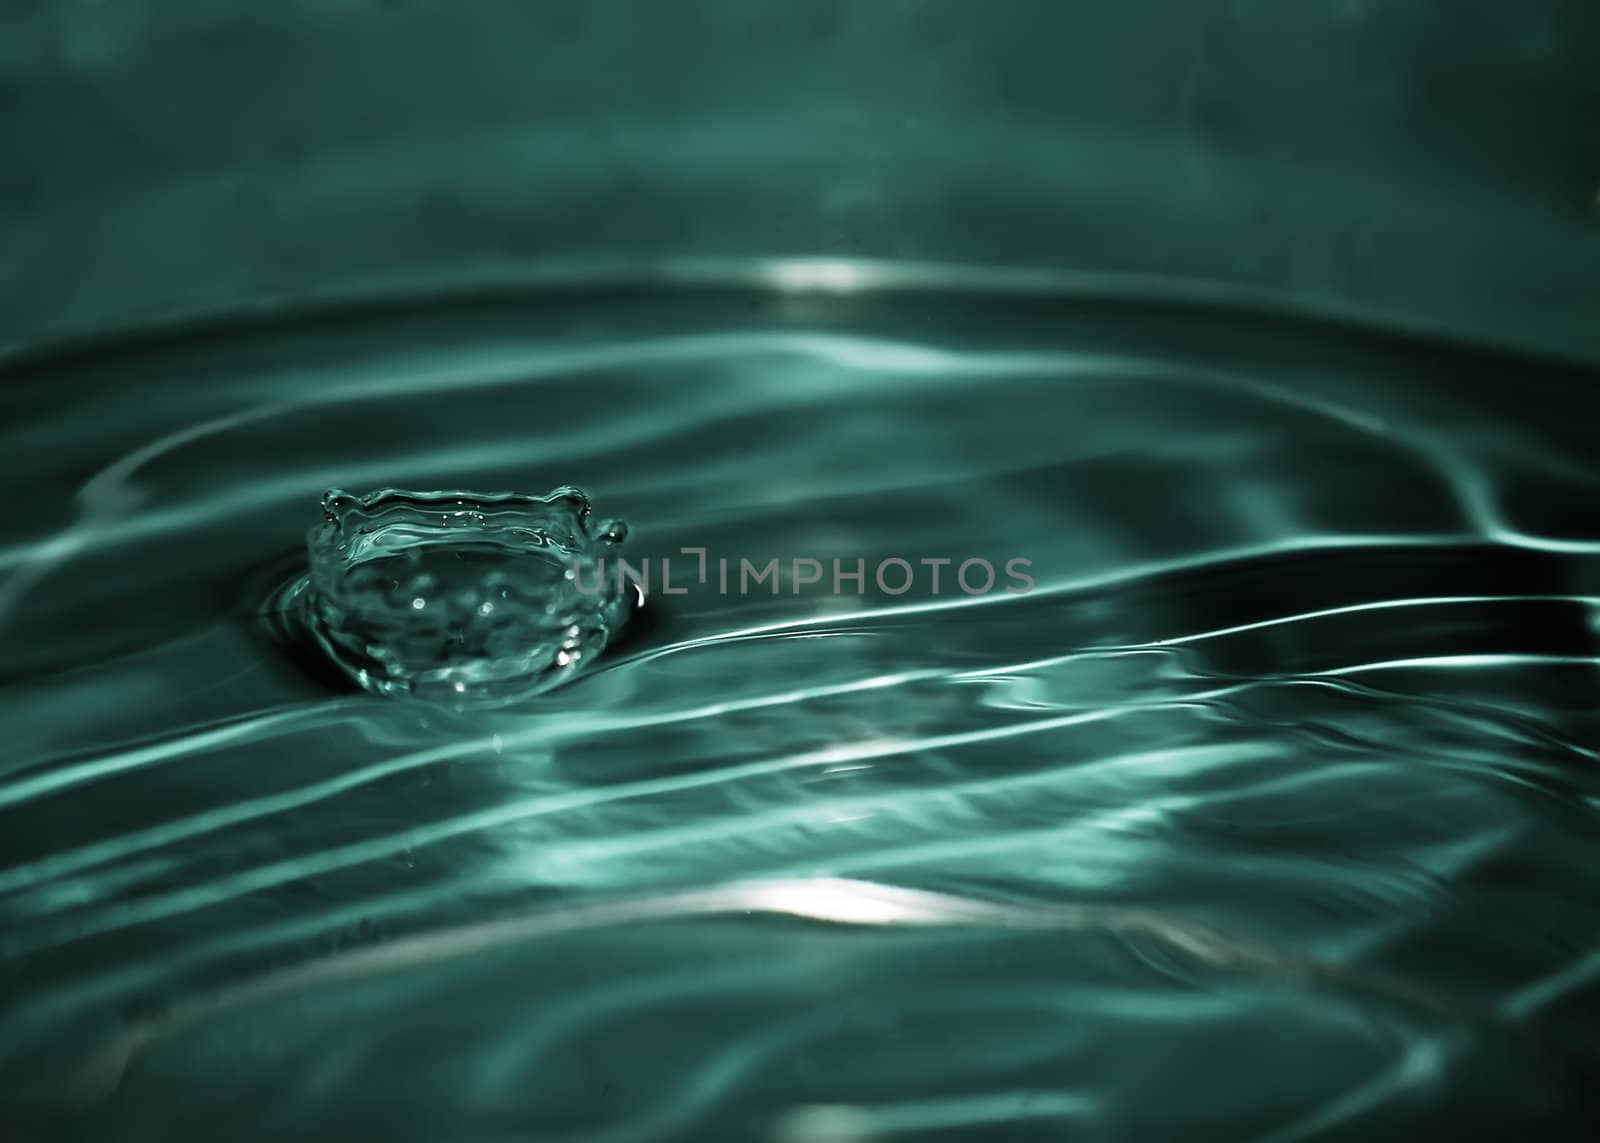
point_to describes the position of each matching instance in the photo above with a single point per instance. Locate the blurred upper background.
(1433, 161)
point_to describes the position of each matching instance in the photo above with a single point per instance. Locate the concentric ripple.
(1270, 813)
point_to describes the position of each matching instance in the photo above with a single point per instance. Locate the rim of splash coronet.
(560, 638)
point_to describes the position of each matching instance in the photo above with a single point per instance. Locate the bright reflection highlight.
(830, 275)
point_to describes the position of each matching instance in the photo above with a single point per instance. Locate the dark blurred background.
(1436, 161)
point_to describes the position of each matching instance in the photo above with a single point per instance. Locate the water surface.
(1268, 813)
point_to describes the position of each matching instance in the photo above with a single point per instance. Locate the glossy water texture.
(1270, 813)
(473, 599)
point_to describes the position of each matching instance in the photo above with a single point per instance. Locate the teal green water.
(1268, 813)
(470, 599)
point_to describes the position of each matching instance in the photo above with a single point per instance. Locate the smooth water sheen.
(1269, 813)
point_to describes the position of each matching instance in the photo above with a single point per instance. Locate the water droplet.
(401, 591)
